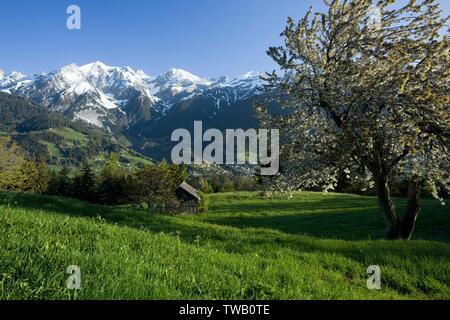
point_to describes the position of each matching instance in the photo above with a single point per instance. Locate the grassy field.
(52, 149)
(313, 246)
(71, 135)
(133, 160)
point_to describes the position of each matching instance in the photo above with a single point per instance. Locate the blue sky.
(206, 37)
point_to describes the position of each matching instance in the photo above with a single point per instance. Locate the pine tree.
(179, 174)
(12, 162)
(84, 187)
(227, 184)
(204, 185)
(112, 182)
(19, 174)
(64, 183)
(42, 178)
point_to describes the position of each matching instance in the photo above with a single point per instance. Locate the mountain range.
(141, 108)
(42, 134)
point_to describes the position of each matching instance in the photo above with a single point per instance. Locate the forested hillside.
(60, 141)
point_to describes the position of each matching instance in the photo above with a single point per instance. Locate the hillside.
(313, 246)
(142, 108)
(60, 141)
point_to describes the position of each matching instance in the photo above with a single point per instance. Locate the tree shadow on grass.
(331, 218)
(344, 226)
(58, 205)
(317, 222)
(269, 237)
(263, 205)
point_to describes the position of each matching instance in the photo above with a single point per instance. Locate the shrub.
(113, 182)
(19, 174)
(153, 186)
(203, 204)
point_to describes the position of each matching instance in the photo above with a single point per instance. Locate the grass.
(52, 148)
(135, 161)
(71, 135)
(313, 246)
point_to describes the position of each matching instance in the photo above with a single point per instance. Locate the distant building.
(189, 198)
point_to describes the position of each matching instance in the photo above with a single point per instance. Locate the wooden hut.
(188, 197)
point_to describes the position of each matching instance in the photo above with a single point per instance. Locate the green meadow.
(313, 246)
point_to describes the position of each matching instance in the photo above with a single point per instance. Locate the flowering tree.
(365, 87)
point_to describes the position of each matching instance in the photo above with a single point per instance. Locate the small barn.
(189, 198)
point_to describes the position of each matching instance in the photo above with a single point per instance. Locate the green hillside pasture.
(71, 135)
(52, 148)
(312, 246)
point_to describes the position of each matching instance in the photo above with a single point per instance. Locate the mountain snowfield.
(118, 97)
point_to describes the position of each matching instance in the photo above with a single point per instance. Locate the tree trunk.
(412, 210)
(387, 208)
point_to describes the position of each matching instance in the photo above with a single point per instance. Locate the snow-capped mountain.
(94, 93)
(176, 84)
(121, 96)
(177, 81)
(10, 79)
(117, 83)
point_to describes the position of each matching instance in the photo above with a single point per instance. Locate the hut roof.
(189, 189)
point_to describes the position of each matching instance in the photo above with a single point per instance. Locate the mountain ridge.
(131, 103)
(110, 87)
(60, 141)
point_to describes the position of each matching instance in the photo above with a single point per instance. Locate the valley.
(59, 141)
(141, 109)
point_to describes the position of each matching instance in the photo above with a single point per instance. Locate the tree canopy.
(365, 87)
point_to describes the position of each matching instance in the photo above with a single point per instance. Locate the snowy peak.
(250, 81)
(13, 76)
(143, 75)
(106, 95)
(71, 68)
(179, 75)
(11, 80)
(176, 81)
(96, 67)
(252, 74)
(119, 83)
(69, 79)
